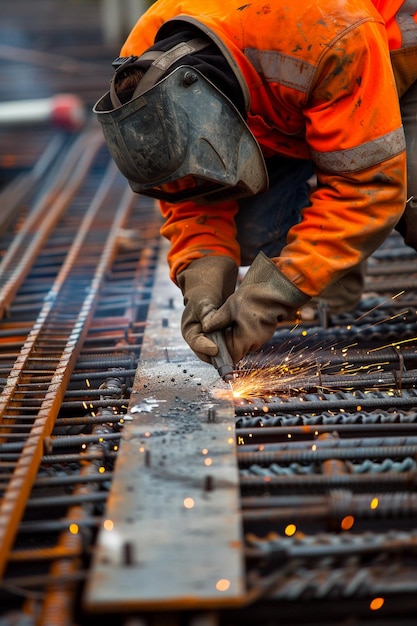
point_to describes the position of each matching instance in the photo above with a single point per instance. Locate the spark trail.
(285, 369)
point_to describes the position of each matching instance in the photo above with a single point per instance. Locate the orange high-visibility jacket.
(320, 85)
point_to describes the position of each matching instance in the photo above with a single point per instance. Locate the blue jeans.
(263, 221)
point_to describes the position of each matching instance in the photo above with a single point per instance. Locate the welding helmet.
(180, 138)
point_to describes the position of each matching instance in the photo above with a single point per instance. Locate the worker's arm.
(195, 231)
(354, 131)
(353, 127)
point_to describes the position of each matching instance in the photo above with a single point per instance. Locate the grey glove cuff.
(263, 270)
(217, 272)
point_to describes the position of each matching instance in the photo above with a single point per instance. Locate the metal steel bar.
(342, 443)
(323, 401)
(321, 508)
(51, 526)
(318, 483)
(19, 257)
(51, 481)
(13, 501)
(191, 450)
(22, 186)
(59, 599)
(319, 455)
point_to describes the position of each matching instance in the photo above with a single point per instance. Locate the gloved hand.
(249, 317)
(206, 284)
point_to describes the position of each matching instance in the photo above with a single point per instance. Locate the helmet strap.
(162, 61)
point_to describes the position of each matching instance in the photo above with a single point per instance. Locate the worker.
(271, 133)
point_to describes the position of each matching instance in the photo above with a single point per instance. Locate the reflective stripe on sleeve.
(363, 156)
(407, 24)
(281, 68)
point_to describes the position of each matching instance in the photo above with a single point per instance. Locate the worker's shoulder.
(267, 17)
(349, 9)
(332, 13)
(303, 28)
(303, 14)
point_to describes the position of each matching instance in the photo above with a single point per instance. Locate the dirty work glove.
(206, 283)
(249, 316)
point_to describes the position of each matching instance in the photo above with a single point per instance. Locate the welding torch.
(222, 361)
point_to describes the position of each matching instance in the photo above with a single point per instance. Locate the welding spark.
(387, 319)
(271, 372)
(394, 344)
(285, 369)
(286, 374)
(397, 295)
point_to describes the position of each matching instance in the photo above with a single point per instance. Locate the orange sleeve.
(195, 231)
(353, 129)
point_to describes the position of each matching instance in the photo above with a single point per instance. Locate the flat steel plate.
(172, 535)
